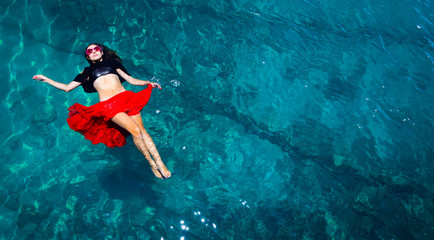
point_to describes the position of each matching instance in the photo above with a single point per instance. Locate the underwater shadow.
(128, 178)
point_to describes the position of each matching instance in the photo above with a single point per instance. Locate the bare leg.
(150, 145)
(125, 121)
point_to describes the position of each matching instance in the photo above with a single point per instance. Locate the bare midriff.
(108, 86)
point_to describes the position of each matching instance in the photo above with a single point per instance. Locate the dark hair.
(108, 54)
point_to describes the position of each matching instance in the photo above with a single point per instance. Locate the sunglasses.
(91, 50)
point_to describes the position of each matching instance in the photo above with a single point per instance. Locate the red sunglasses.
(91, 50)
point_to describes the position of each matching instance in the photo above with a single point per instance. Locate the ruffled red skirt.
(94, 121)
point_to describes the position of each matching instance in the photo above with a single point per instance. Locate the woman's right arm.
(61, 86)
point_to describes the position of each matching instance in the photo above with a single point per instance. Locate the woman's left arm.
(134, 81)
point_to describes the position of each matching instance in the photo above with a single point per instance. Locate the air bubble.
(175, 82)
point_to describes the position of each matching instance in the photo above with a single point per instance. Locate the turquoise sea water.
(278, 119)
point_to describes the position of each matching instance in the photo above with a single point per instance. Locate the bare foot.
(155, 170)
(164, 171)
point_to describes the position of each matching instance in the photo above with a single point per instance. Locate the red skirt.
(94, 121)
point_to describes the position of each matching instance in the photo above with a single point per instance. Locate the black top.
(96, 70)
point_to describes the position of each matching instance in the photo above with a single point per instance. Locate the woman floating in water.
(118, 112)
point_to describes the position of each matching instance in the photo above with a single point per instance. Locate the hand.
(154, 85)
(41, 78)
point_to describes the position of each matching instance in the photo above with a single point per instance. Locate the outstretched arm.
(61, 86)
(134, 81)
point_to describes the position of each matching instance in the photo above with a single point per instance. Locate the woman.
(118, 112)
